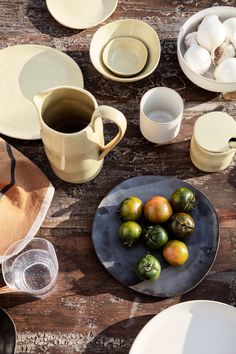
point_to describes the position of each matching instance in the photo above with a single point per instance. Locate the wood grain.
(90, 312)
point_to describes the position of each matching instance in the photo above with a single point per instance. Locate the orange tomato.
(157, 210)
(175, 252)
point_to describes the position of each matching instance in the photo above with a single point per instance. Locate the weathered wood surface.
(90, 312)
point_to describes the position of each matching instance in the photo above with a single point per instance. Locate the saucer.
(26, 70)
(125, 56)
(80, 14)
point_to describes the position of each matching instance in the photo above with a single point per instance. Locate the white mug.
(161, 111)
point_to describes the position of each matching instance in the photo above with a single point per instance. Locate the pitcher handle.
(112, 114)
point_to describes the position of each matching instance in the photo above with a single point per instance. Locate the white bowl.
(189, 26)
(125, 28)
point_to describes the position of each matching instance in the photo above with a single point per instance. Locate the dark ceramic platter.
(7, 333)
(120, 261)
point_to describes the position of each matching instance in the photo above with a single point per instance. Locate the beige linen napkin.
(25, 196)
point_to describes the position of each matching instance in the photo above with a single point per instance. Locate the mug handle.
(115, 116)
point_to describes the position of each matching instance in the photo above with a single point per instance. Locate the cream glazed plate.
(26, 70)
(192, 327)
(80, 14)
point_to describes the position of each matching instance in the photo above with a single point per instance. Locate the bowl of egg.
(206, 48)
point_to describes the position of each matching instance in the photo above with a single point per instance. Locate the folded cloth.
(25, 196)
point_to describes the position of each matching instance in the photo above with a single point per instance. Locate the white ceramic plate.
(80, 14)
(26, 70)
(193, 327)
(125, 56)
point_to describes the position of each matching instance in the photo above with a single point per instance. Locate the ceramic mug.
(72, 132)
(161, 111)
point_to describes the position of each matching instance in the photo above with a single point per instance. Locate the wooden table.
(89, 311)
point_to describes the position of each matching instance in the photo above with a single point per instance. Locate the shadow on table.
(84, 275)
(11, 298)
(109, 341)
(41, 18)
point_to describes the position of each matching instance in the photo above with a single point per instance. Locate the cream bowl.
(125, 28)
(223, 12)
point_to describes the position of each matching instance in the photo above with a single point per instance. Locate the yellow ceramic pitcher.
(72, 132)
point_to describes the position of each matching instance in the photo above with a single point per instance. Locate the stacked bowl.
(125, 50)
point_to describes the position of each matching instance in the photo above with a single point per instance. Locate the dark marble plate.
(120, 261)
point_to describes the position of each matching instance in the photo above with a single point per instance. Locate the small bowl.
(191, 25)
(125, 56)
(125, 28)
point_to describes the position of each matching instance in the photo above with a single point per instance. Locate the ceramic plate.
(191, 327)
(26, 70)
(7, 333)
(80, 14)
(125, 56)
(121, 261)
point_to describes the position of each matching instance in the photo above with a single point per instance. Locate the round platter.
(26, 70)
(194, 327)
(120, 261)
(80, 14)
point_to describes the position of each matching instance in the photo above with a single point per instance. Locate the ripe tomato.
(155, 236)
(157, 210)
(181, 225)
(131, 208)
(175, 252)
(148, 268)
(129, 232)
(183, 199)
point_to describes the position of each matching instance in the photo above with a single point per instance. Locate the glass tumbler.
(34, 269)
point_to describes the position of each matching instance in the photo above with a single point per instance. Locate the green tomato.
(183, 199)
(131, 208)
(148, 268)
(156, 236)
(181, 225)
(129, 232)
